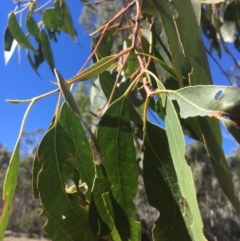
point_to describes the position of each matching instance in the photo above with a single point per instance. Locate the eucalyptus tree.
(86, 180)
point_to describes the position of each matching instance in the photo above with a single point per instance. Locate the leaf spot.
(41, 158)
(63, 217)
(70, 157)
(218, 95)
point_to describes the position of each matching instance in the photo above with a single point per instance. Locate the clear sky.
(19, 81)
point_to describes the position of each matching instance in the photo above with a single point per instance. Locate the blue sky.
(19, 81)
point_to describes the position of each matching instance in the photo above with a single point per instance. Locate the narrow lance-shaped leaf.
(166, 16)
(66, 93)
(10, 45)
(9, 187)
(18, 34)
(95, 69)
(184, 175)
(46, 49)
(193, 46)
(162, 188)
(32, 26)
(8, 40)
(120, 165)
(84, 155)
(30, 60)
(57, 153)
(68, 23)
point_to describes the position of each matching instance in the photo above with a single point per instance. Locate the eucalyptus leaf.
(120, 165)
(68, 23)
(208, 100)
(84, 164)
(57, 153)
(166, 16)
(66, 93)
(9, 186)
(46, 49)
(18, 34)
(32, 26)
(177, 148)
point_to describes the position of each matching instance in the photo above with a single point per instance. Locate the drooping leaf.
(177, 148)
(30, 60)
(162, 188)
(32, 26)
(166, 17)
(38, 59)
(208, 100)
(52, 18)
(193, 46)
(95, 69)
(46, 49)
(66, 93)
(57, 153)
(8, 39)
(18, 34)
(10, 45)
(84, 154)
(68, 23)
(10, 183)
(120, 165)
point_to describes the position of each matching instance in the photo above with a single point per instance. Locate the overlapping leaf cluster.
(87, 181)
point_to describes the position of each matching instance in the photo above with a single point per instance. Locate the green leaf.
(31, 62)
(8, 40)
(162, 188)
(66, 93)
(166, 16)
(53, 19)
(177, 148)
(32, 26)
(208, 100)
(38, 59)
(18, 34)
(193, 46)
(96, 68)
(46, 49)
(10, 183)
(121, 167)
(68, 23)
(57, 153)
(84, 154)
